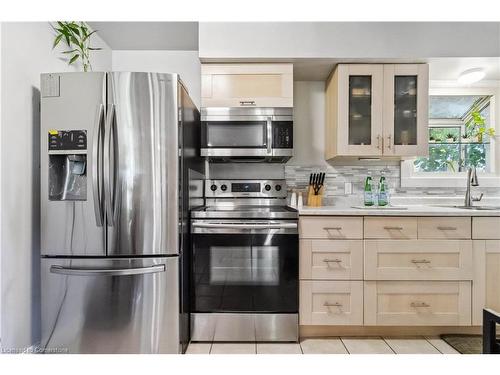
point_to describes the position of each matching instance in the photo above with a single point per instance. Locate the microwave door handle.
(96, 166)
(269, 136)
(107, 164)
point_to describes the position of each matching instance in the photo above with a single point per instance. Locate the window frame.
(411, 178)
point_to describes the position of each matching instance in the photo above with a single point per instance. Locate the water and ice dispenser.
(67, 165)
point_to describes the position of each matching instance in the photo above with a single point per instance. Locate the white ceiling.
(177, 36)
(184, 36)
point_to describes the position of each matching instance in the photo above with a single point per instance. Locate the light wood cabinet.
(486, 282)
(331, 227)
(486, 228)
(247, 85)
(444, 228)
(418, 260)
(331, 302)
(414, 303)
(331, 259)
(390, 227)
(377, 110)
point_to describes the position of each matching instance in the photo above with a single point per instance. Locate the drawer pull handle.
(335, 304)
(332, 260)
(447, 228)
(393, 228)
(420, 261)
(247, 102)
(419, 304)
(332, 228)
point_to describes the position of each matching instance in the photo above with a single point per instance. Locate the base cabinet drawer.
(417, 303)
(331, 259)
(444, 227)
(418, 260)
(331, 303)
(486, 228)
(334, 228)
(390, 227)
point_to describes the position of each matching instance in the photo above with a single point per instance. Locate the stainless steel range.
(245, 263)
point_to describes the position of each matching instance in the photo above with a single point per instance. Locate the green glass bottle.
(368, 196)
(383, 197)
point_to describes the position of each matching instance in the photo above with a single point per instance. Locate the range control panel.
(245, 188)
(63, 140)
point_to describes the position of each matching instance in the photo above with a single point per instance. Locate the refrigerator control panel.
(62, 140)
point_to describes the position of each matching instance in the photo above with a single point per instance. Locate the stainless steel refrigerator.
(120, 169)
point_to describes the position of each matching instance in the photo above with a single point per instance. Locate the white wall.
(26, 52)
(184, 63)
(250, 40)
(309, 124)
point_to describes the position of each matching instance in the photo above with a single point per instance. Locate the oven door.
(243, 136)
(245, 267)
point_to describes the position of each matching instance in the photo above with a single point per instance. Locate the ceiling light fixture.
(471, 75)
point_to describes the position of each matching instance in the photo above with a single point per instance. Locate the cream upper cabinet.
(354, 99)
(406, 93)
(247, 85)
(377, 110)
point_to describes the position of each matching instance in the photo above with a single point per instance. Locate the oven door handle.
(247, 226)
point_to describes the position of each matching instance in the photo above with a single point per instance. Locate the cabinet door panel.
(331, 303)
(360, 109)
(418, 260)
(486, 292)
(417, 303)
(331, 259)
(406, 92)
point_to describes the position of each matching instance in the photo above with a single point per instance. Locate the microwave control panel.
(282, 134)
(64, 140)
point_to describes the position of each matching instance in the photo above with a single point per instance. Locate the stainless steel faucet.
(471, 181)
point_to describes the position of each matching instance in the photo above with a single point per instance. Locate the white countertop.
(409, 210)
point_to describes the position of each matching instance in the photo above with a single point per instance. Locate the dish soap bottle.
(368, 192)
(383, 195)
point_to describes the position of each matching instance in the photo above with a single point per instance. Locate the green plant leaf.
(71, 51)
(57, 40)
(73, 59)
(88, 35)
(95, 48)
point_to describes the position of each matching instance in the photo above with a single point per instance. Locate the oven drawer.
(331, 259)
(331, 303)
(417, 303)
(331, 227)
(418, 260)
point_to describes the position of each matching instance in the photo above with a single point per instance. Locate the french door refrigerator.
(120, 169)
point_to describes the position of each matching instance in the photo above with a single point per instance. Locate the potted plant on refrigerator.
(77, 36)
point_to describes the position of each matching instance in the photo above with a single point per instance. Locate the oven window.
(245, 273)
(243, 134)
(254, 265)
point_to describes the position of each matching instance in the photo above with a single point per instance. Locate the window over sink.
(461, 134)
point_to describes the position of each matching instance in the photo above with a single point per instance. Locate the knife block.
(315, 200)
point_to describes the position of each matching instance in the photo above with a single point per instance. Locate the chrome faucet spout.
(472, 180)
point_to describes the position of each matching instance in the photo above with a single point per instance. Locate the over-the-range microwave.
(247, 134)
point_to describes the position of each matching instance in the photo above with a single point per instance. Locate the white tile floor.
(334, 345)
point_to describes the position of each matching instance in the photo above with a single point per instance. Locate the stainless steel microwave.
(247, 134)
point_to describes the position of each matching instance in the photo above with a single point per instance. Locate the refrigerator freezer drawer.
(114, 305)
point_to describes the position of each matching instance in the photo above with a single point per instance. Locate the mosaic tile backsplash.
(336, 176)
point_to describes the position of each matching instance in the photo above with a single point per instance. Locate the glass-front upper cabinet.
(406, 92)
(354, 101)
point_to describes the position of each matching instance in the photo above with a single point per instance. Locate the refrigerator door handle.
(107, 164)
(107, 271)
(96, 167)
